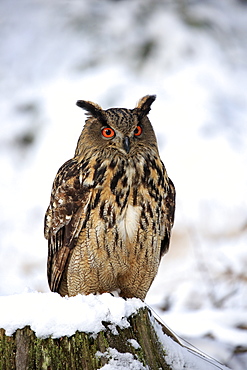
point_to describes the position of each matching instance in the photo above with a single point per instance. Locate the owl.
(112, 207)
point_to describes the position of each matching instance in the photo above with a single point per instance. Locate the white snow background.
(193, 55)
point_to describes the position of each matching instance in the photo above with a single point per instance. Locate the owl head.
(116, 130)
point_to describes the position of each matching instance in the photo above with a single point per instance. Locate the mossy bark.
(24, 350)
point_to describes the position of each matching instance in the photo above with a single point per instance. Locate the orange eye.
(138, 131)
(108, 132)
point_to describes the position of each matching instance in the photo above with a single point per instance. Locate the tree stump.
(137, 343)
(139, 346)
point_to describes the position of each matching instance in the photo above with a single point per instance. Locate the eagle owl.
(112, 207)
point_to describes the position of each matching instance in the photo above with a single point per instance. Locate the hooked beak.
(126, 144)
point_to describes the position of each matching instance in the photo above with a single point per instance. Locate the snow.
(50, 315)
(193, 56)
(212, 331)
(120, 361)
(179, 357)
(221, 324)
(134, 343)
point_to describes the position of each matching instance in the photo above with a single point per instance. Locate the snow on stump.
(46, 331)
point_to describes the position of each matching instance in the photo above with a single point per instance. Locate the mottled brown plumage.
(112, 207)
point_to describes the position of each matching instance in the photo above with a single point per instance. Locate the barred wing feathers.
(64, 218)
(169, 221)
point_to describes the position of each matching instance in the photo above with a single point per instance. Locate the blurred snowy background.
(193, 55)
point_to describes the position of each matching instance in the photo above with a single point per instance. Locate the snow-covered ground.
(194, 57)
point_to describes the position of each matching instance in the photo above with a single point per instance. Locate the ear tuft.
(144, 104)
(92, 108)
